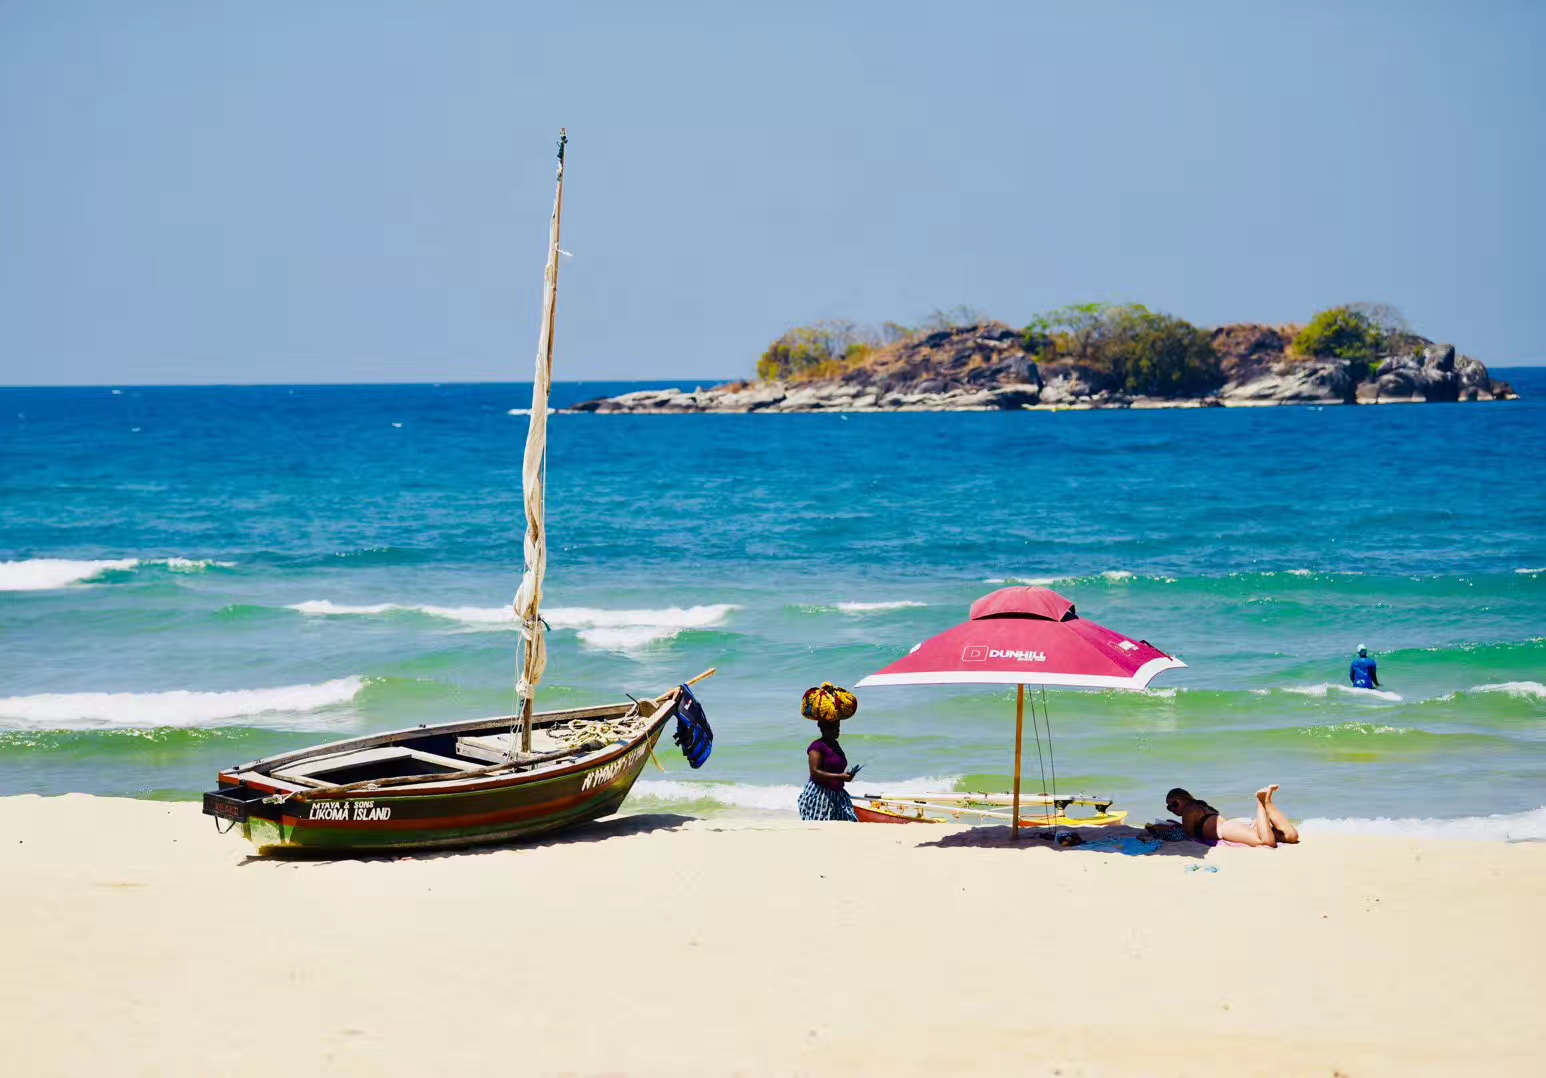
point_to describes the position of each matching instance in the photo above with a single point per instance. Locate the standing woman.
(824, 797)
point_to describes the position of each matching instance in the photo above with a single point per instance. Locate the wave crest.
(871, 608)
(49, 574)
(1509, 827)
(46, 574)
(179, 707)
(612, 630)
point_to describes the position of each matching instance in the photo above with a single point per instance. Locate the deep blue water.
(314, 560)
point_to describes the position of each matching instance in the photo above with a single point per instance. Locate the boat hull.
(498, 809)
(417, 821)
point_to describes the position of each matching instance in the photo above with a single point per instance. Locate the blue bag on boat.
(693, 734)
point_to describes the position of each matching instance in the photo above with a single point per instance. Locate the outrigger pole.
(528, 599)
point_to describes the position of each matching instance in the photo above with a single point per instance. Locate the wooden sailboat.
(458, 783)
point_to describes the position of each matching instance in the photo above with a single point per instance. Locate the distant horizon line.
(458, 382)
(342, 385)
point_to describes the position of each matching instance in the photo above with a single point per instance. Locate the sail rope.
(1041, 763)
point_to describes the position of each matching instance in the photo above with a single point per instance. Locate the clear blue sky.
(358, 191)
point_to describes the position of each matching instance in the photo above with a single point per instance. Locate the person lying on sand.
(1203, 823)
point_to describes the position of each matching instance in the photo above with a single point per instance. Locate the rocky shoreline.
(985, 368)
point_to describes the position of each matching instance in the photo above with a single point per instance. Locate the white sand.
(139, 942)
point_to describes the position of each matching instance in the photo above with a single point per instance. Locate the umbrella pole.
(1019, 736)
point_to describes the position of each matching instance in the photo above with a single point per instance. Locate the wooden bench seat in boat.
(344, 767)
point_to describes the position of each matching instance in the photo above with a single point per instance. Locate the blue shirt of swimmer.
(1362, 672)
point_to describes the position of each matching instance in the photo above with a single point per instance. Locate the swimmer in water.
(1362, 673)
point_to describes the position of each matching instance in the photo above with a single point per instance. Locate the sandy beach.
(140, 942)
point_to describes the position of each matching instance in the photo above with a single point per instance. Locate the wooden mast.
(528, 600)
(1014, 827)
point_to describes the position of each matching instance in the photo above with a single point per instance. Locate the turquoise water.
(195, 577)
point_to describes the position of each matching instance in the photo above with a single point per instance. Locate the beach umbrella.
(1028, 636)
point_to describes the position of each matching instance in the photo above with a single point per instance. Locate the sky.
(211, 192)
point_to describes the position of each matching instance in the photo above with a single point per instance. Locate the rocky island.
(1089, 356)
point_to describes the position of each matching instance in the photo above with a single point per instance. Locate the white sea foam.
(274, 707)
(1512, 827)
(611, 630)
(629, 630)
(1530, 572)
(47, 574)
(1110, 576)
(1532, 689)
(44, 574)
(1326, 688)
(478, 616)
(193, 565)
(869, 608)
(777, 797)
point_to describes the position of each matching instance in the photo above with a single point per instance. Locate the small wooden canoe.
(453, 784)
(965, 808)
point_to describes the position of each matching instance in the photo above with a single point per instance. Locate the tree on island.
(1146, 352)
(1360, 333)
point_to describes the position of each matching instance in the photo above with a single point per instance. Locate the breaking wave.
(869, 608)
(478, 616)
(48, 574)
(612, 630)
(1326, 688)
(780, 797)
(1510, 827)
(45, 574)
(1533, 690)
(181, 707)
(1110, 576)
(628, 630)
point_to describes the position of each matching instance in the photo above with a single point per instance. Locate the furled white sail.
(528, 598)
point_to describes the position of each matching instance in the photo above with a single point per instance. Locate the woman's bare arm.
(814, 759)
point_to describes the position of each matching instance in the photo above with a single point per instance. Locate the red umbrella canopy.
(1028, 636)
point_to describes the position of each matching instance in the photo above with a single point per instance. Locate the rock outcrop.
(986, 368)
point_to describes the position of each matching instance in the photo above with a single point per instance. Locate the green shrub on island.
(824, 350)
(1360, 333)
(1145, 352)
(1339, 333)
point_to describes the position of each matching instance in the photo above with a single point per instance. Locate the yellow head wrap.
(826, 703)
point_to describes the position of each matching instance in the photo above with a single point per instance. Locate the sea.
(191, 578)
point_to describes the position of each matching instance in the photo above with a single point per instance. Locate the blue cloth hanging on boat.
(693, 734)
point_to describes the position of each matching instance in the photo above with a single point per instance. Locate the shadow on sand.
(595, 831)
(1124, 840)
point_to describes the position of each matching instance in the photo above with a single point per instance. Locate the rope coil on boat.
(577, 732)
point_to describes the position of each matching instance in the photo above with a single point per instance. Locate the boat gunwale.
(253, 774)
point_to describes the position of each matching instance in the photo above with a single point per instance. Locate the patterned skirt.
(820, 803)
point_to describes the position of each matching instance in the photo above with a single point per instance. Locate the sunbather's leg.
(1286, 831)
(1250, 832)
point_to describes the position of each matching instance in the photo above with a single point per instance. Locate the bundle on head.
(827, 703)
